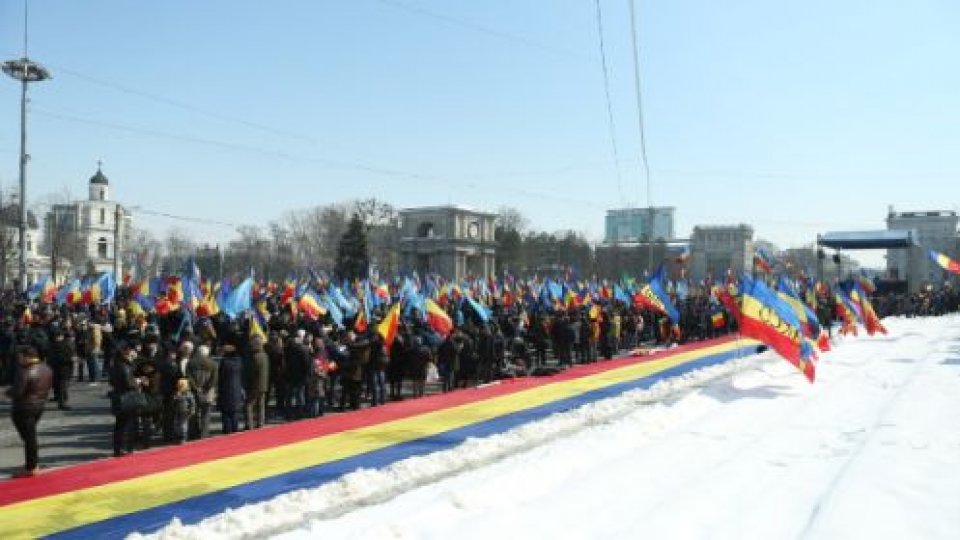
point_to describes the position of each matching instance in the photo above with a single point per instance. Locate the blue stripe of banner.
(195, 509)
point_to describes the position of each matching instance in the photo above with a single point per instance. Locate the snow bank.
(748, 449)
(368, 487)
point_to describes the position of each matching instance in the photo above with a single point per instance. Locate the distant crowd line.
(167, 380)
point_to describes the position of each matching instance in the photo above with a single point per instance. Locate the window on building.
(103, 196)
(102, 248)
(103, 214)
(29, 245)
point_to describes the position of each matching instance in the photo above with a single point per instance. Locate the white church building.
(90, 234)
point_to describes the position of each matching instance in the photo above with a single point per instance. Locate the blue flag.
(238, 300)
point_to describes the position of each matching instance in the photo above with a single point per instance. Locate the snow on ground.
(745, 450)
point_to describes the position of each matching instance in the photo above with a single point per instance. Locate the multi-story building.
(935, 230)
(626, 225)
(716, 249)
(88, 233)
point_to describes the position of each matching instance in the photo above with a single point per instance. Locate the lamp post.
(25, 71)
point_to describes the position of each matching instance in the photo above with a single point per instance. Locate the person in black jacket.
(60, 359)
(123, 380)
(230, 394)
(31, 386)
(297, 363)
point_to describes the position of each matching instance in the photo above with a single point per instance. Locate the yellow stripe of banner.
(65, 511)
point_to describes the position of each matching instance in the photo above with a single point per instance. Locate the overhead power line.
(481, 29)
(606, 93)
(183, 105)
(381, 171)
(637, 88)
(190, 219)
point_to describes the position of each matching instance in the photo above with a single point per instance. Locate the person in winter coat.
(123, 379)
(230, 394)
(448, 359)
(60, 358)
(316, 384)
(352, 375)
(274, 350)
(147, 370)
(202, 373)
(184, 408)
(171, 369)
(297, 366)
(31, 386)
(378, 370)
(398, 365)
(257, 383)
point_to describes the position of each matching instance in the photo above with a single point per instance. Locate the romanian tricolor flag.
(945, 262)
(438, 319)
(846, 314)
(74, 294)
(763, 261)
(766, 318)
(718, 320)
(571, 300)
(653, 296)
(870, 319)
(866, 284)
(174, 290)
(808, 318)
(362, 322)
(48, 292)
(388, 327)
(310, 305)
(258, 322)
(37, 288)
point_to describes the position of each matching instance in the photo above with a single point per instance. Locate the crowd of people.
(167, 379)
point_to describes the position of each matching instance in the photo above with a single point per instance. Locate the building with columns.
(717, 249)
(448, 240)
(90, 234)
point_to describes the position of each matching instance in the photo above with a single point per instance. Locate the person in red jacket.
(31, 387)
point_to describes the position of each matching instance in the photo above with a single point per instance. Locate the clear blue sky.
(796, 118)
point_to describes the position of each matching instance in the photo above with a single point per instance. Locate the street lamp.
(25, 71)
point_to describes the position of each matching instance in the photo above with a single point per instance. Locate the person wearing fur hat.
(202, 372)
(31, 386)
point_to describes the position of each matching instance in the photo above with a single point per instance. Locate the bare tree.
(143, 251)
(511, 219)
(9, 221)
(382, 223)
(178, 246)
(62, 241)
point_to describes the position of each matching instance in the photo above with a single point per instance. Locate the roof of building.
(446, 208)
(883, 239)
(99, 177)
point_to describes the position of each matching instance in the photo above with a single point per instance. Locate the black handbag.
(134, 402)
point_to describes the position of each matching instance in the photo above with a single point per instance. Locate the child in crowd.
(184, 407)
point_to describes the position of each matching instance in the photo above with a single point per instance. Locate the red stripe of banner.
(105, 471)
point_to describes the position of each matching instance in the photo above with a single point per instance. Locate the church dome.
(99, 178)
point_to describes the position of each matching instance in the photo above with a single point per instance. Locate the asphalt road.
(66, 437)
